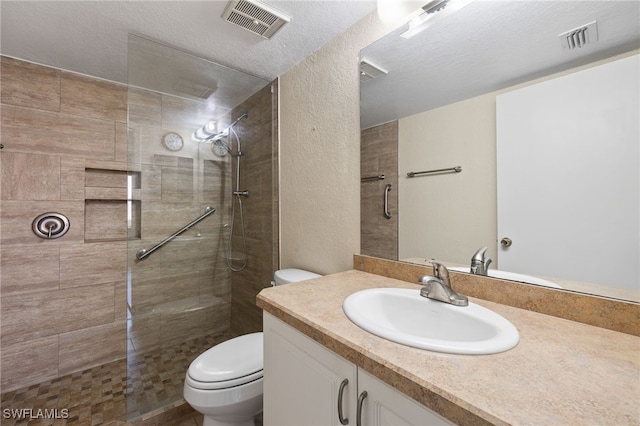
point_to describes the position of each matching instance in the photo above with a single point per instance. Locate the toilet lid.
(293, 275)
(230, 361)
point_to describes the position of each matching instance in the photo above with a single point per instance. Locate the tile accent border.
(616, 315)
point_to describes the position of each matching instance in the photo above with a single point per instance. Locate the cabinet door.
(302, 379)
(385, 406)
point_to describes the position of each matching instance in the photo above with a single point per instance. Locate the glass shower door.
(178, 295)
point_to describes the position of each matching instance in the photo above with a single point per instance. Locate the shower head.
(218, 147)
(217, 144)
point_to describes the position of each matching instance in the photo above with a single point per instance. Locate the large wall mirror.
(527, 111)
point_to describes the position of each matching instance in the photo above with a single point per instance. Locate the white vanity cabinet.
(303, 382)
(385, 406)
(302, 379)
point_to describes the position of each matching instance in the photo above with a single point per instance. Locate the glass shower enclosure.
(179, 202)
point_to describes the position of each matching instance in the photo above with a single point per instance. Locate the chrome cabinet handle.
(343, 385)
(361, 398)
(387, 213)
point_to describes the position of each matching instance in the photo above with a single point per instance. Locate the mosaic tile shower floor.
(110, 394)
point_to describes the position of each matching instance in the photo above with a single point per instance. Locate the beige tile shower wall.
(64, 304)
(379, 156)
(320, 153)
(256, 176)
(61, 299)
(183, 289)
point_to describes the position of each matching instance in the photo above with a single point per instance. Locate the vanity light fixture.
(432, 12)
(396, 12)
(369, 71)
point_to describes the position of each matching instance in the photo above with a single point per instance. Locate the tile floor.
(147, 393)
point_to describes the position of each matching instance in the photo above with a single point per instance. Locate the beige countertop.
(561, 372)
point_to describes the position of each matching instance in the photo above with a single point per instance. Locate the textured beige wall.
(448, 216)
(320, 154)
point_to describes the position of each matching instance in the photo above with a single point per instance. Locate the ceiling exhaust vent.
(194, 89)
(579, 37)
(255, 16)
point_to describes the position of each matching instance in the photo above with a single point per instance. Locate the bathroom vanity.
(561, 371)
(334, 388)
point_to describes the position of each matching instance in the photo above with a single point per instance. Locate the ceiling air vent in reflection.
(255, 17)
(579, 37)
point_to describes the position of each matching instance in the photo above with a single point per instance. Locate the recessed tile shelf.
(103, 184)
(111, 212)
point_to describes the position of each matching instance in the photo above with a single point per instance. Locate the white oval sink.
(513, 276)
(403, 316)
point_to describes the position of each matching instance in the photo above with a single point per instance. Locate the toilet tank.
(292, 275)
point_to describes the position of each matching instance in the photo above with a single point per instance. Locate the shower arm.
(245, 115)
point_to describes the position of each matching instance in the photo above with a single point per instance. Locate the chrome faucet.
(438, 287)
(480, 263)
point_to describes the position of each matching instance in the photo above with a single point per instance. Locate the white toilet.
(225, 382)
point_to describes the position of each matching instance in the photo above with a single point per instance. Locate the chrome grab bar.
(368, 178)
(387, 213)
(143, 253)
(456, 169)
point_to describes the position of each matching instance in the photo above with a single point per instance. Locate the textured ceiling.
(487, 46)
(90, 37)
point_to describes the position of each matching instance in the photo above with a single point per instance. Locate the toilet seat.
(236, 362)
(225, 384)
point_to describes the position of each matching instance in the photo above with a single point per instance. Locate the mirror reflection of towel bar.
(456, 169)
(368, 178)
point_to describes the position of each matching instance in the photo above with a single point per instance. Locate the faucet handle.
(438, 288)
(424, 280)
(441, 272)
